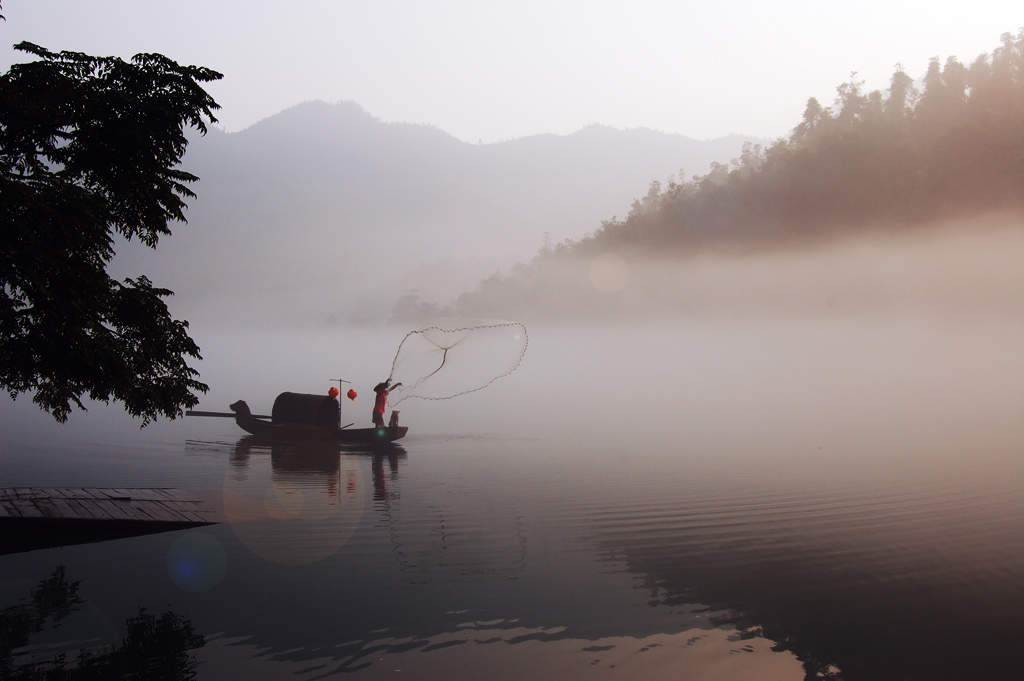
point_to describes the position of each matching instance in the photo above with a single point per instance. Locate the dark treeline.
(908, 155)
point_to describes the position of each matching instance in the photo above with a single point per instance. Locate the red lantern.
(333, 392)
(351, 394)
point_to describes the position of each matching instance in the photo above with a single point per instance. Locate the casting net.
(453, 357)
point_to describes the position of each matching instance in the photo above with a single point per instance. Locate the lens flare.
(197, 561)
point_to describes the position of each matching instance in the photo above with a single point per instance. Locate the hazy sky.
(498, 70)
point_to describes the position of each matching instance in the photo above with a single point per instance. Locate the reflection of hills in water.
(455, 567)
(881, 584)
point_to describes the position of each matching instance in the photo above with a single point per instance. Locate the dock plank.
(65, 508)
(112, 509)
(160, 513)
(183, 507)
(86, 509)
(170, 513)
(192, 516)
(120, 504)
(47, 507)
(132, 510)
(36, 517)
(145, 511)
(27, 509)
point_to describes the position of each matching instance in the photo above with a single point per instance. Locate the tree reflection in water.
(155, 647)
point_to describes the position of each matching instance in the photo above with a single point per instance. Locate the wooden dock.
(34, 517)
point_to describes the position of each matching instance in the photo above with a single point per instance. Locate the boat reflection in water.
(316, 491)
(304, 505)
(316, 458)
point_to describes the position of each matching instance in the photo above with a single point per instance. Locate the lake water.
(724, 499)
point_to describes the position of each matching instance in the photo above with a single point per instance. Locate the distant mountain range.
(325, 212)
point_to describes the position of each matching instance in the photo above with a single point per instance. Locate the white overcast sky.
(499, 70)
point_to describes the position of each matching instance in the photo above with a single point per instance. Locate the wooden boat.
(297, 416)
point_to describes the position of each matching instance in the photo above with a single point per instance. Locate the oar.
(223, 414)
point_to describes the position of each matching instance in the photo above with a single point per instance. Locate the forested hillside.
(893, 158)
(943, 154)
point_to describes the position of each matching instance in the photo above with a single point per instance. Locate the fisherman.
(380, 403)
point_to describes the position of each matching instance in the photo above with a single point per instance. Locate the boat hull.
(271, 432)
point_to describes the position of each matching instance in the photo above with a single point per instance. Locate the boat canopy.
(314, 410)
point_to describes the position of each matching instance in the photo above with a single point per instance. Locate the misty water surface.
(704, 499)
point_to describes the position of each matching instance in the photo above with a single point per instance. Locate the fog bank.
(958, 267)
(326, 213)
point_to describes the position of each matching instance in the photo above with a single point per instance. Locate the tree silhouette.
(89, 148)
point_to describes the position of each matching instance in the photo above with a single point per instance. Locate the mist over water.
(770, 465)
(959, 268)
(910, 342)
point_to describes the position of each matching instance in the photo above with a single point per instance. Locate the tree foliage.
(901, 157)
(89, 149)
